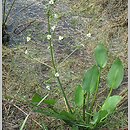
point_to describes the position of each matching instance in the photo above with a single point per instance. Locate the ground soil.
(23, 75)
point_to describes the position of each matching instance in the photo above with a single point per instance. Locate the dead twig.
(27, 114)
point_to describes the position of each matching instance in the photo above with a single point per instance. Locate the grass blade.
(24, 122)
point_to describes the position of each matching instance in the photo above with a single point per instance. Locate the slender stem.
(51, 107)
(109, 93)
(87, 108)
(9, 11)
(4, 12)
(84, 106)
(66, 101)
(53, 62)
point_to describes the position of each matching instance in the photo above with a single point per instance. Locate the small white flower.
(53, 27)
(48, 47)
(26, 52)
(61, 38)
(28, 39)
(48, 37)
(51, 2)
(82, 45)
(56, 16)
(57, 75)
(89, 35)
(48, 87)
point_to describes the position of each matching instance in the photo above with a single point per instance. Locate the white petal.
(53, 27)
(48, 87)
(89, 35)
(48, 37)
(51, 2)
(26, 52)
(57, 75)
(61, 38)
(82, 45)
(28, 39)
(48, 47)
(55, 16)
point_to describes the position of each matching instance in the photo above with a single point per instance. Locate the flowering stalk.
(53, 61)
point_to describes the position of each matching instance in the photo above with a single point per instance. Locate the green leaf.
(111, 103)
(116, 74)
(36, 98)
(49, 101)
(99, 116)
(91, 80)
(79, 96)
(68, 115)
(75, 128)
(65, 116)
(101, 55)
(50, 113)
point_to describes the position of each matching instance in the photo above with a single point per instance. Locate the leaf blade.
(111, 103)
(91, 79)
(36, 98)
(49, 101)
(101, 55)
(115, 74)
(99, 116)
(79, 96)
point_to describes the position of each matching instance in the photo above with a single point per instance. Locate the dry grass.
(23, 75)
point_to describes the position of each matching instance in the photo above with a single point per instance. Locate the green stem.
(9, 12)
(66, 101)
(51, 107)
(95, 95)
(87, 108)
(108, 96)
(84, 107)
(109, 93)
(53, 62)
